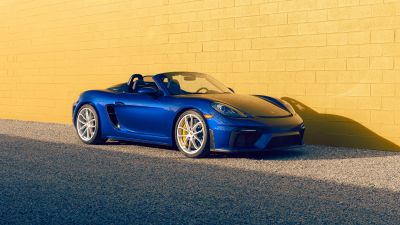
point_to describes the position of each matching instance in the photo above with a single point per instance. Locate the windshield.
(182, 83)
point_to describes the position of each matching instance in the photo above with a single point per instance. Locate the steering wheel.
(202, 88)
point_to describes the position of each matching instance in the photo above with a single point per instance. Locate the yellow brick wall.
(337, 61)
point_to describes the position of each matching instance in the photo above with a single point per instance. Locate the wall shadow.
(338, 131)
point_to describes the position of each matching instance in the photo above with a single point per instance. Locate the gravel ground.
(49, 177)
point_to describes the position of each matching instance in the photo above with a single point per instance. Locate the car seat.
(174, 87)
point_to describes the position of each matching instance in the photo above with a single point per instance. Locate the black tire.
(96, 138)
(204, 149)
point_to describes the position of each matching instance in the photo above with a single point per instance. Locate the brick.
(381, 63)
(269, 8)
(390, 103)
(337, 39)
(314, 64)
(226, 45)
(276, 65)
(305, 77)
(308, 28)
(242, 44)
(287, 53)
(241, 67)
(295, 65)
(348, 51)
(326, 77)
(348, 89)
(370, 2)
(251, 54)
(346, 103)
(226, 23)
(278, 19)
(388, 9)
(335, 64)
(343, 3)
(297, 17)
(383, 89)
(258, 66)
(210, 46)
(224, 67)
(315, 89)
(358, 63)
(327, 52)
(325, 4)
(383, 117)
(369, 102)
(382, 36)
(286, 30)
(371, 50)
(317, 15)
(247, 21)
(391, 49)
(391, 76)
(359, 37)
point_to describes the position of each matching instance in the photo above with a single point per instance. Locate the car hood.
(249, 104)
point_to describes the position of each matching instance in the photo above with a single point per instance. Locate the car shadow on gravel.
(306, 152)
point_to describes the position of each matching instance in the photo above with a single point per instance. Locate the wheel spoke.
(187, 123)
(198, 139)
(189, 144)
(196, 125)
(83, 127)
(194, 144)
(198, 132)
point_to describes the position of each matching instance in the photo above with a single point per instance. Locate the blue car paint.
(151, 118)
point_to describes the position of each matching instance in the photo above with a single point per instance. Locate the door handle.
(119, 103)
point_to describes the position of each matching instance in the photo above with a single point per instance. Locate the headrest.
(137, 84)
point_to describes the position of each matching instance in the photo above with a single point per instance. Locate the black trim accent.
(244, 138)
(284, 141)
(112, 115)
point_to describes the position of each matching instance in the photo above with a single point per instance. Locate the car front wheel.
(191, 134)
(87, 125)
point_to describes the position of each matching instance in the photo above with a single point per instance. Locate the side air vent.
(112, 115)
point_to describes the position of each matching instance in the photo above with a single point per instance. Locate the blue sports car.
(191, 111)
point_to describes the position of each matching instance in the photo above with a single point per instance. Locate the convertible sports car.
(192, 111)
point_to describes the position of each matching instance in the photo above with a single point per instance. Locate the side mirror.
(147, 90)
(231, 90)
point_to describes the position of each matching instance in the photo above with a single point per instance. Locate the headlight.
(289, 107)
(228, 110)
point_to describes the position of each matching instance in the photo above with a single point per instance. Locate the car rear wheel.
(87, 125)
(191, 134)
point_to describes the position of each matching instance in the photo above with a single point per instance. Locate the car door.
(144, 115)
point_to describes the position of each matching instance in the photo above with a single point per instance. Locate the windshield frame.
(159, 81)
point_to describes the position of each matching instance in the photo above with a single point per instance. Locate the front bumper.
(257, 134)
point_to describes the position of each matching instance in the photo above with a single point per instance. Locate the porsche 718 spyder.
(191, 111)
